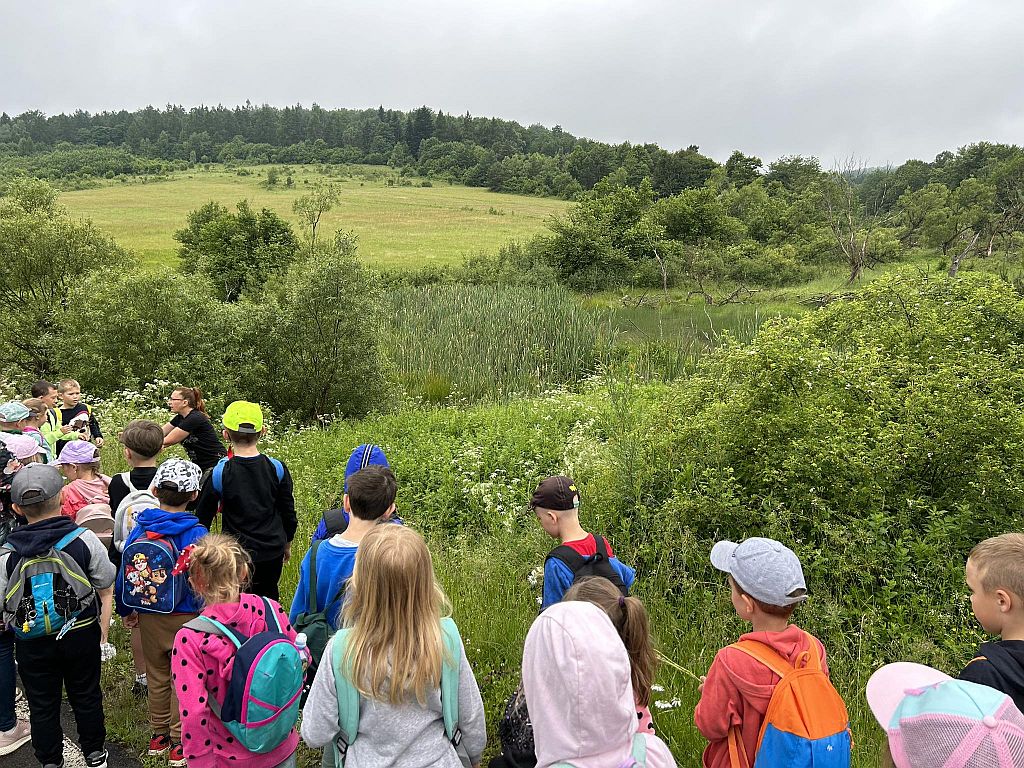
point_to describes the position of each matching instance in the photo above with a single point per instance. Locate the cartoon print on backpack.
(147, 562)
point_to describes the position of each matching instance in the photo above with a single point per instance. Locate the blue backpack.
(217, 477)
(149, 584)
(261, 704)
(348, 694)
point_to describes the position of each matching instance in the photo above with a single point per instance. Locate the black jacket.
(999, 665)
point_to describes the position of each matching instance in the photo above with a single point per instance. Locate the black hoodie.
(39, 537)
(999, 665)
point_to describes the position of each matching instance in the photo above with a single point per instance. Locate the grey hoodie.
(576, 677)
(405, 735)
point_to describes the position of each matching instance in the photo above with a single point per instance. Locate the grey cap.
(765, 569)
(35, 483)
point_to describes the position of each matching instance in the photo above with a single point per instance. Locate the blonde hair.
(219, 568)
(394, 609)
(67, 384)
(999, 562)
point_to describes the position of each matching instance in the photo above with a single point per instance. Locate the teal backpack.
(638, 757)
(348, 696)
(261, 704)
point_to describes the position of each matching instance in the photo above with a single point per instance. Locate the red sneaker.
(159, 744)
(176, 757)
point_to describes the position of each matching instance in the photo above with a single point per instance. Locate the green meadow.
(398, 226)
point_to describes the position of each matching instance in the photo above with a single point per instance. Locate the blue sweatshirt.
(334, 564)
(182, 529)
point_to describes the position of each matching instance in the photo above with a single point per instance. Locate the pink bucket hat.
(934, 721)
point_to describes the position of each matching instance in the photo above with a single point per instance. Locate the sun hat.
(178, 474)
(13, 411)
(557, 493)
(35, 483)
(22, 446)
(934, 720)
(78, 452)
(765, 569)
(244, 417)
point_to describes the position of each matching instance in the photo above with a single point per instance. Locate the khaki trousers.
(158, 631)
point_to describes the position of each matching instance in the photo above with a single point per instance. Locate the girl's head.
(38, 409)
(70, 392)
(184, 399)
(218, 568)
(79, 460)
(629, 617)
(394, 608)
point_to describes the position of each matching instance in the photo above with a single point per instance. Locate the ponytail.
(193, 397)
(629, 617)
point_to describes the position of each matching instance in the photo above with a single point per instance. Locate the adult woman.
(191, 427)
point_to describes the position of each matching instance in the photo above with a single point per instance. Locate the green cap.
(245, 417)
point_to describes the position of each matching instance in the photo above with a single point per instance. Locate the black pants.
(47, 665)
(265, 576)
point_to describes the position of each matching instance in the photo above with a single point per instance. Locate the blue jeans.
(7, 681)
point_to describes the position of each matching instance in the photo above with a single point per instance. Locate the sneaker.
(140, 687)
(16, 737)
(96, 759)
(159, 744)
(54, 765)
(176, 757)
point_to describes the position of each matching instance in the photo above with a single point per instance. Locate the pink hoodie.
(576, 676)
(738, 690)
(202, 667)
(79, 493)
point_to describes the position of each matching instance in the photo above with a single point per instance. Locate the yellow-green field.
(397, 226)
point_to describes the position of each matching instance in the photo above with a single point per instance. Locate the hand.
(287, 552)
(703, 679)
(98, 442)
(131, 621)
(66, 428)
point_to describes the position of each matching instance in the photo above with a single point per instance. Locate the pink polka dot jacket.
(201, 666)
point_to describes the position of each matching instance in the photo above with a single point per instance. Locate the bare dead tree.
(954, 264)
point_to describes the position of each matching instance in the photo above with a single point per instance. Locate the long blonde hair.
(219, 568)
(393, 610)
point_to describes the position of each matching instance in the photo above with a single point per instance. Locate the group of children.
(366, 650)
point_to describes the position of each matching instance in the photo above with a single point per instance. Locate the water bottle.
(300, 645)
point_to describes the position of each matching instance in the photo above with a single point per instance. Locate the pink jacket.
(738, 690)
(79, 493)
(202, 668)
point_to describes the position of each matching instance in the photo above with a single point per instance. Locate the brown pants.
(158, 631)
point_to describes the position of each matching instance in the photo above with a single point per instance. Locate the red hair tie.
(184, 561)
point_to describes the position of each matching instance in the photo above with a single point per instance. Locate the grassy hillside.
(397, 226)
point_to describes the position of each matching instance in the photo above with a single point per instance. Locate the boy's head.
(556, 499)
(36, 492)
(142, 439)
(46, 392)
(243, 423)
(764, 574)
(995, 574)
(176, 483)
(70, 392)
(12, 414)
(371, 493)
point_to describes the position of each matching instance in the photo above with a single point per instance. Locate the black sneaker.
(97, 759)
(54, 765)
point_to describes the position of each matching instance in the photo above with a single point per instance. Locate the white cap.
(765, 569)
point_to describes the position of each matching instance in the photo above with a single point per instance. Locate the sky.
(872, 81)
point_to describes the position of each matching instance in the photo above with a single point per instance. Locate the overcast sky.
(879, 80)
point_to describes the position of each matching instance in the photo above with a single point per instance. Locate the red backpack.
(806, 724)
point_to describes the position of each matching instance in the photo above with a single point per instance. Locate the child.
(69, 659)
(25, 449)
(142, 442)
(932, 720)
(335, 521)
(12, 418)
(995, 574)
(767, 583)
(394, 653)
(556, 502)
(576, 675)
(80, 464)
(152, 593)
(370, 500)
(48, 394)
(34, 424)
(218, 566)
(254, 493)
(77, 421)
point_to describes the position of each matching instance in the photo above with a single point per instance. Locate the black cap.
(557, 493)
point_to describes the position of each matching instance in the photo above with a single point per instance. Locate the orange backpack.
(806, 724)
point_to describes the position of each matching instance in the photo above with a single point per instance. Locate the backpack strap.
(270, 613)
(311, 607)
(68, 538)
(567, 555)
(217, 476)
(278, 468)
(348, 699)
(126, 478)
(212, 626)
(639, 749)
(450, 669)
(737, 752)
(766, 655)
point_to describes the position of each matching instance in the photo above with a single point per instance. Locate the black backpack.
(597, 565)
(336, 521)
